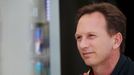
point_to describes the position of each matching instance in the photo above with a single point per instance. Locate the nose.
(84, 44)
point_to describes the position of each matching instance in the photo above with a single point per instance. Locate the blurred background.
(37, 36)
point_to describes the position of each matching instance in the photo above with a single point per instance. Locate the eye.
(91, 36)
(78, 38)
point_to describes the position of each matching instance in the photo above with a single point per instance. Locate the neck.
(106, 67)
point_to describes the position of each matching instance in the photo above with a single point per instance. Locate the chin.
(89, 62)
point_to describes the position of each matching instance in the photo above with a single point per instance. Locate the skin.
(97, 48)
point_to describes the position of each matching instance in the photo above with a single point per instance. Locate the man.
(100, 36)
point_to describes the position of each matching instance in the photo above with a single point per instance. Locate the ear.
(117, 40)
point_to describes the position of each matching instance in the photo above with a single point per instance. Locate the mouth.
(87, 54)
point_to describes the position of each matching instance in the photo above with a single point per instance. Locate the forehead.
(91, 22)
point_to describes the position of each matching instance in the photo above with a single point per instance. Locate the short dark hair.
(116, 20)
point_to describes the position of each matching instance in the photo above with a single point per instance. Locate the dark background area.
(71, 62)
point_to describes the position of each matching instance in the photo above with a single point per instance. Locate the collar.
(90, 71)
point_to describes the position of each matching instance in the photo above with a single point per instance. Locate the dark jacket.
(124, 66)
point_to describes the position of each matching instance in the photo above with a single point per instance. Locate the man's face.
(94, 43)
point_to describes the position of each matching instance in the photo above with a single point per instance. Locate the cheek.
(103, 47)
(78, 47)
(103, 51)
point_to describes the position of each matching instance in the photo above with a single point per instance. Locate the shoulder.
(127, 67)
(131, 68)
(132, 64)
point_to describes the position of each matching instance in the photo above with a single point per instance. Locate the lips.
(87, 54)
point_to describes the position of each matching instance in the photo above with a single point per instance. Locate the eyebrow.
(76, 34)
